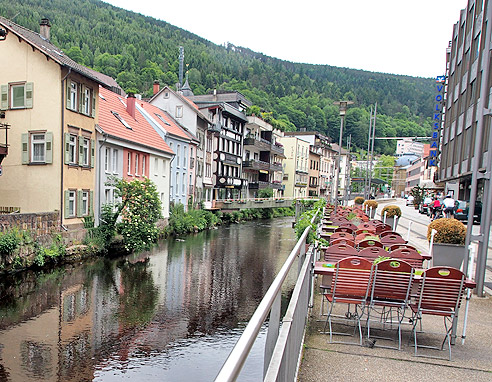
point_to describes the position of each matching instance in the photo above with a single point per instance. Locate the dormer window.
(121, 120)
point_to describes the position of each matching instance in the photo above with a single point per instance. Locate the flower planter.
(451, 255)
(391, 221)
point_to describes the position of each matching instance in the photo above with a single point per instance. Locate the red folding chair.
(391, 239)
(343, 240)
(341, 235)
(369, 243)
(351, 285)
(372, 253)
(440, 292)
(392, 283)
(411, 256)
(334, 253)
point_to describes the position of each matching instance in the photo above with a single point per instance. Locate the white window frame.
(136, 164)
(39, 142)
(86, 146)
(72, 203)
(129, 162)
(87, 101)
(85, 203)
(74, 87)
(72, 149)
(107, 154)
(179, 111)
(15, 86)
(143, 165)
(114, 163)
(185, 154)
(156, 166)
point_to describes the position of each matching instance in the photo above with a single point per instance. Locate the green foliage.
(449, 231)
(305, 221)
(359, 200)
(181, 222)
(265, 192)
(418, 194)
(51, 254)
(9, 241)
(136, 50)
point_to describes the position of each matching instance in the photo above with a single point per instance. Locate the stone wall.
(40, 224)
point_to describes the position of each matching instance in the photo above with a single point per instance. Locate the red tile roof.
(140, 131)
(171, 126)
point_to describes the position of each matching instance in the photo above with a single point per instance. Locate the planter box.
(391, 220)
(451, 255)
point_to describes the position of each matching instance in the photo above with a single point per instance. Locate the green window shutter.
(93, 104)
(66, 205)
(91, 203)
(81, 150)
(79, 203)
(49, 147)
(67, 148)
(29, 94)
(25, 148)
(5, 97)
(93, 151)
(69, 84)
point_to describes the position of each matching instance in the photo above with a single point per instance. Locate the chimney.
(156, 87)
(44, 29)
(130, 104)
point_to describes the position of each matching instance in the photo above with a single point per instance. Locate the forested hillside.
(136, 50)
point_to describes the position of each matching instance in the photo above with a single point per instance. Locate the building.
(296, 166)
(51, 105)
(314, 170)
(191, 119)
(226, 111)
(263, 156)
(466, 60)
(129, 147)
(408, 145)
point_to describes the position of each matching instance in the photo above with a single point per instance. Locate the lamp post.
(342, 107)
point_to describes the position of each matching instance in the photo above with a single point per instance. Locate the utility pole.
(372, 145)
(366, 178)
(342, 106)
(347, 171)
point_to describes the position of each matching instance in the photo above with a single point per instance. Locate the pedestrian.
(448, 203)
(435, 206)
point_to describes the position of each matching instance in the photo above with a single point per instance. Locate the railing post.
(272, 333)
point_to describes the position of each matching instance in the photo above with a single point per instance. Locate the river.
(171, 314)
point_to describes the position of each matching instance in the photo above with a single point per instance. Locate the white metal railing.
(283, 347)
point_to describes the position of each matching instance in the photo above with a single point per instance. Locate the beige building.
(296, 151)
(50, 104)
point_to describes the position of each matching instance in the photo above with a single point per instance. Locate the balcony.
(277, 185)
(256, 165)
(301, 184)
(276, 167)
(278, 149)
(230, 182)
(262, 144)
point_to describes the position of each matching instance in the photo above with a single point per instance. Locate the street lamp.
(342, 107)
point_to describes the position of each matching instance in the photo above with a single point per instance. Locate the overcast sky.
(391, 36)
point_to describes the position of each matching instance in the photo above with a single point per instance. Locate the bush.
(9, 242)
(392, 211)
(359, 200)
(449, 231)
(371, 203)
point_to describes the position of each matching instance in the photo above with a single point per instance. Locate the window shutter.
(79, 203)
(81, 98)
(67, 148)
(5, 97)
(81, 150)
(69, 86)
(93, 149)
(91, 203)
(93, 104)
(29, 94)
(25, 148)
(49, 147)
(66, 205)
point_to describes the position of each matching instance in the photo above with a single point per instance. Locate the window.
(143, 165)
(17, 95)
(115, 161)
(185, 153)
(107, 154)
(163, 167)
(87, 101)
(38, 148)
(184, 184)
(70, 148)
(179, 111)
(70, 204)
(136, 164)
(119, 118)
(72, 97)
(177, 183)
(156, 166)
(85, 151)
(178, 152)
(129, 164)
(84, 205)
(107, 195)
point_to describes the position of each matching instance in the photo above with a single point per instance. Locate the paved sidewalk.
(471, 361)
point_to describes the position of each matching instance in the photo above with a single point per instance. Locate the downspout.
(98, 179)
(62, 145)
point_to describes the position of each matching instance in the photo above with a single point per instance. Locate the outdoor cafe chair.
(398, 246)
(370, 231)
(391, 286)
(343, 240)
(372, 253)
(363, 236)
(440, 292)
(389, 240)
(386, 233)
(352, 226)
(334, 253)
(369, 243)
(383, 228)
(350, 285)
(340, 235)
(367, 226)
(345, 229)
(410, 255)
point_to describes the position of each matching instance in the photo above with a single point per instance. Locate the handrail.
(232, 367)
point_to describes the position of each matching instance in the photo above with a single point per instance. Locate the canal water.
(172, 314)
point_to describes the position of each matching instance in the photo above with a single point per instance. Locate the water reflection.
(164, 315)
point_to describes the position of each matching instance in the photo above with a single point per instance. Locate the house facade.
(295, 165)
(51, 105)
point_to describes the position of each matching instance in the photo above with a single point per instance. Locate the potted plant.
(371, 206)
(449, 242)
(391, 211)
(359, 200)
(418, 194)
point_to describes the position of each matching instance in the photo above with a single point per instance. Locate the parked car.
(461, 210)
(424, 207)
(409, 200)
